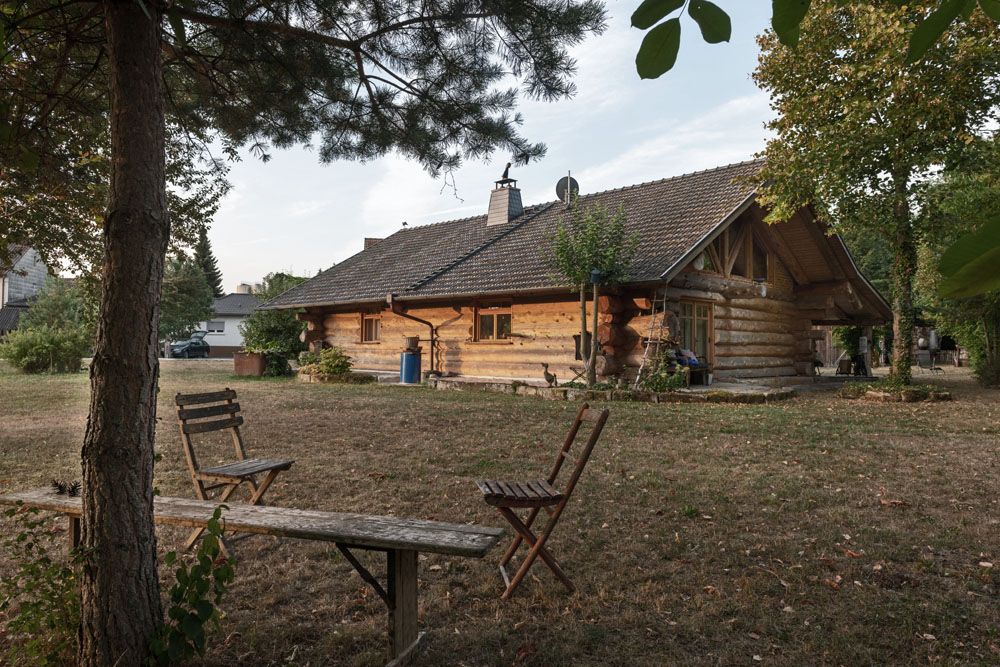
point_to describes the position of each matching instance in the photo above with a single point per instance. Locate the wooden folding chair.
(541, 494)
(228, 476)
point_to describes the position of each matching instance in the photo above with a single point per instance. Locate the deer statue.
(550, 378)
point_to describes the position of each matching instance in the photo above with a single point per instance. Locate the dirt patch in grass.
(813, 531)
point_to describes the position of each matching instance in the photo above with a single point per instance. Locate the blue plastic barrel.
(409, 368)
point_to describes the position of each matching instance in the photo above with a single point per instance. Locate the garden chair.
(541, 494)
(926, 363)
(227, 476)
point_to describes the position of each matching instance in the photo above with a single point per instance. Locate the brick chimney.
(505, 203)
(369, 242)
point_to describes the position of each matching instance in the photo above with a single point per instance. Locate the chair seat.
(536, 493)
(242, 469)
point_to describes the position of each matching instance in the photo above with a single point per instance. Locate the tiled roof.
(467, 257)
(235, 304)
(11, 313)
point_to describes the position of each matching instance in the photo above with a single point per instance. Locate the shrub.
(194, 598)
(46, 593)
(46, 349)
(987, 371)
(333, 361)
(276, 364)
(661, 378)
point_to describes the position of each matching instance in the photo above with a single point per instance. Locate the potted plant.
(249, 362)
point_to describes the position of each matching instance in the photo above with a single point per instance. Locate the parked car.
(195, 346)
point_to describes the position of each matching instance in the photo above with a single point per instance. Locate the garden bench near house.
(401, 539)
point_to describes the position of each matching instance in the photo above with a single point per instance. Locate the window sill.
(367, 342)
(491, 342)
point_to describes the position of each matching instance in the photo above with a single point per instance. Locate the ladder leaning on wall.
(658, 331)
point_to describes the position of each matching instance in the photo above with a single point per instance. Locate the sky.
(296, 215)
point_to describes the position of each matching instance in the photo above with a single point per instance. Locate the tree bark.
(120, 590)
(904, 266)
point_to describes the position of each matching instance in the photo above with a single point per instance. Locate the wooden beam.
(784, 253)
(823, 243)
(831, 288)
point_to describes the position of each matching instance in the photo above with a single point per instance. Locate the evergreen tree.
(204, 258)
(360, 79)
(186, 299)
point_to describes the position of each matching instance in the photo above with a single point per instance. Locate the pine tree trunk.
(120, 590)
(904, 266)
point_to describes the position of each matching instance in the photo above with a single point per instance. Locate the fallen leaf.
(835, 586)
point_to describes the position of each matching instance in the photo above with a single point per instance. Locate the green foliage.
(194, 598)
(658, 51)
(43, 592)
(959, 205)
(858, 131)
(60, 305)
(46, 349)
(186, 298)
(204, 258)
(969, 265)
(274, 330)
(592, 238)
(660, 376)
(331, 361)
(276, 363)
(849, 339)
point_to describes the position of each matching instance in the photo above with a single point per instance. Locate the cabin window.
(218, 326)
(371, 326)
(761, 267)
(493, 322)
(696, 328)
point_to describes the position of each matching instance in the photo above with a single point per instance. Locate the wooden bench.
(400, 539)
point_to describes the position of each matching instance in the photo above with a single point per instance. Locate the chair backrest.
(206, 418)
(594, 418)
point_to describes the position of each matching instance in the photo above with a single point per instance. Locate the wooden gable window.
(760, 260)
(493, 322)
(371, 327)
(739, 253)
(696, 328)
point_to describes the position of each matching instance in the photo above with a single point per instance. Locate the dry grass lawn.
(700, 534)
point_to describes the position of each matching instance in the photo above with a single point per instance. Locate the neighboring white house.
(20, 280)
(224, 328)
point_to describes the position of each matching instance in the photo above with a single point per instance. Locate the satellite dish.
(566, 184)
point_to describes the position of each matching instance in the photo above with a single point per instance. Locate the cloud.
(731, 132)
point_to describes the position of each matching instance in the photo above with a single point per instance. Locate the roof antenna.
(566, 188)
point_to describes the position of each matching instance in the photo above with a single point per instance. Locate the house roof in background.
(466, 257)
(11, 313)
(16, 253)
(235, 304)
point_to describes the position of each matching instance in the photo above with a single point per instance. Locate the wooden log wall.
(755, 335)
(543, 332)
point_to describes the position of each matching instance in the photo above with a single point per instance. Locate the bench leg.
(75, 531)
(404, 639)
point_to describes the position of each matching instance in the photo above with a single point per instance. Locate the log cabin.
(708, 273)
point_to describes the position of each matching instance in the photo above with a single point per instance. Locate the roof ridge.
(599, 192)
(482, 246)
